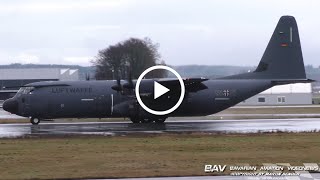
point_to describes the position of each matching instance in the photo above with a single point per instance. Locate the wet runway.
(120, 128)
(6, 115)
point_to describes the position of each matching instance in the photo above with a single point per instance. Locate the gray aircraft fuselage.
(88, 99)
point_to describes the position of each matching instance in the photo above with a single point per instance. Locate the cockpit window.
(25, 90)
(18, 94)
(21, 90)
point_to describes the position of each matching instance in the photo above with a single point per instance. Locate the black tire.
(35, 121)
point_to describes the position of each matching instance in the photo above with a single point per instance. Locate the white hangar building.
(290, 94)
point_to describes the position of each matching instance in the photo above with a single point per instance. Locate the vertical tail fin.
(282, 58)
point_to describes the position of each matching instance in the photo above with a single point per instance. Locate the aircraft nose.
(10, 105)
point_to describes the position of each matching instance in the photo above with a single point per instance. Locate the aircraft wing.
(191, 84)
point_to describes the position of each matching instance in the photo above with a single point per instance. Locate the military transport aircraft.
(281, 63)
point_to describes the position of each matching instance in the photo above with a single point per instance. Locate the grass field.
(155, 155)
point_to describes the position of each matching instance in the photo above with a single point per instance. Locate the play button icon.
(159, 90)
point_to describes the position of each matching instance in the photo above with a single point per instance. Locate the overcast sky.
(207, 32)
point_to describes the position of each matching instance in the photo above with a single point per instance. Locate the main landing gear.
(34, 120)
(148, 120)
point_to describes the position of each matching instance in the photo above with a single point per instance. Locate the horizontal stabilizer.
(289, 81)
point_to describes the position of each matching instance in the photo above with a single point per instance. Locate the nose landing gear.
(34, 120)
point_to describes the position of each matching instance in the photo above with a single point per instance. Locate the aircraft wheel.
(160, 120)
(35, 121)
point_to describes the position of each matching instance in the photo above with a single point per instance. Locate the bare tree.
(133, 55)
